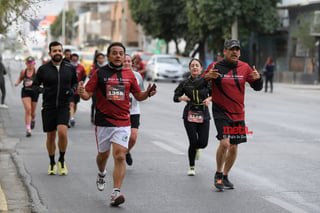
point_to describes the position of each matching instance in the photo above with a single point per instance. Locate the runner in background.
(75, 99)
(196, 116)
(99, 62)
(112, 84)
(29, 94)
(134, 109)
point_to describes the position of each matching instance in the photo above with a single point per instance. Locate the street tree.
(164, 19)
(201, 22)
(213, 19)
(302, 33)
(14, 11)
(56, 27)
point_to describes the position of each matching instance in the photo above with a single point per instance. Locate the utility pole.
(124, 22)
(234, 29)
(65, 7)
(64, 25)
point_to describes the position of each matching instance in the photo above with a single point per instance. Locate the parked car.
(185, 65)
(86, 59)
(73, 49)
(164, 67)
(131, 50)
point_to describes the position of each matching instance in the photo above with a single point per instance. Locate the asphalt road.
(276, 170)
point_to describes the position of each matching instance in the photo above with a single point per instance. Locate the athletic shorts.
(53, 117)
(235, 130)
(30, 93)
(105, 136)
(75, 98)
(135, 121)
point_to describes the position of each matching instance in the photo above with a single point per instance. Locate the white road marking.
(3, 201)
(284, 205)
(167, 148)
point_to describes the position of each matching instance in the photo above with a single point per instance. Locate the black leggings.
(269, 79)
(198, 134)
(3, 90)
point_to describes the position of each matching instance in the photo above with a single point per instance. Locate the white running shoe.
(100, 182)
(192, 171)
(4, 106)
(116, 198)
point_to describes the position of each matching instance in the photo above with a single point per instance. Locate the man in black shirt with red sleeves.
(229, 77)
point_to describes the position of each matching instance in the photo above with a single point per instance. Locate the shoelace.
(101, 181)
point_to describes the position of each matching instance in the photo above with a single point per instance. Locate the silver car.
(164, 67)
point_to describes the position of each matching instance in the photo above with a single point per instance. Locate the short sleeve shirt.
(112, 88)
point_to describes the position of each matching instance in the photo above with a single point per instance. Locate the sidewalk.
(13, 195)
(306, 86)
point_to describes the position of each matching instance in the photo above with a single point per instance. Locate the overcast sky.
(51, 7)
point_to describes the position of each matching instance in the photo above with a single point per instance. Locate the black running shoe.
(227, 183)
(218, 181)
(28, 133)
(129, 159)
(33, 123)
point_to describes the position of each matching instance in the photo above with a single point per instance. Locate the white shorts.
(105, 136)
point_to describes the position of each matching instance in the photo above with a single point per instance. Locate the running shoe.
(116, 198)
(197, 154)
(4, 106)
(72, 122)
(28, 133)
(192, 171)
(227, 183)
(129, 159)
(100, 182)
(62, 168)
(218, 183)
(33, 123)
(52, 170)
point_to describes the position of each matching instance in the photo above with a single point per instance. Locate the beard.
(57, 58)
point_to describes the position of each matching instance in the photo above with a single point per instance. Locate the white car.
(164, 67)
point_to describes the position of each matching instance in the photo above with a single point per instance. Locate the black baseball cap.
(228, 44)
(29, 59)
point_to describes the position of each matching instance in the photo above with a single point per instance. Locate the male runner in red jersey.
(112, 84)
(229, 77)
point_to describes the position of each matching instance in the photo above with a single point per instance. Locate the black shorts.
(30, 93)
(75, 98)
(135, 121)
(235, 130)
(52, 117)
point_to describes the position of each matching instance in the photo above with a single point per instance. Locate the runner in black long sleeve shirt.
(59, 81)
(196, 116)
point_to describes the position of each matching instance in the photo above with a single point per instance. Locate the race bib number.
(195, 117)
(28, 83)
(116, 92)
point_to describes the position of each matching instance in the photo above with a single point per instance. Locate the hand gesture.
(212, 74)
(255, 75)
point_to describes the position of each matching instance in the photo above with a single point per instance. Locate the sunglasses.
(30, 62)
